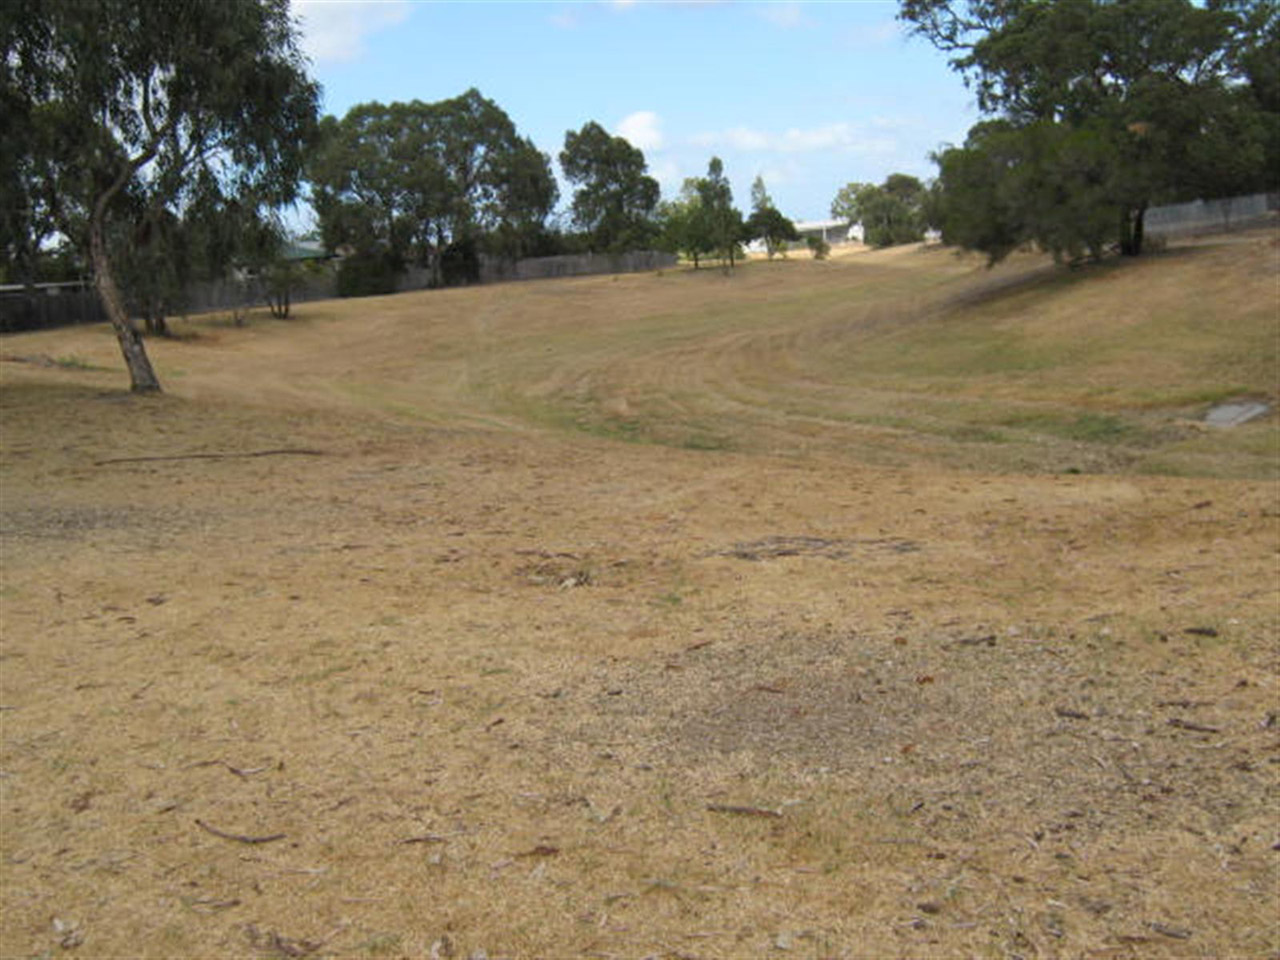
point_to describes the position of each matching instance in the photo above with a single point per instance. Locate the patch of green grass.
(1083, 428)
(72, 362)
(381, 943)
(970, 433)
(704, 441)
(1175, 397)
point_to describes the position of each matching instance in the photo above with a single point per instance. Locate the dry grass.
(835, 660)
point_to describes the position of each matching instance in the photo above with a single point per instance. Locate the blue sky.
(809, 95)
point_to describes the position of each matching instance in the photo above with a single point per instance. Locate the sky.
(808, 95)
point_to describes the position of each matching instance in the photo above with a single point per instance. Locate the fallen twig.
(744, 811)
(238, 837)
(1070, 714)
(988, 639)
(284, 452)
(1188, 725)
(425, 838)
(242, 773)
(541, 850)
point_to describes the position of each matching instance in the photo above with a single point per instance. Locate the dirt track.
(496, 687)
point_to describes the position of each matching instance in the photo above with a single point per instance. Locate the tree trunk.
(142, 377)
(1132, 228)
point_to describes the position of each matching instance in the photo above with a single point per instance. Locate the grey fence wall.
(499, 270)
(55, 305)
(51, 305)
(231, 294)
(574, 265)
(1212, 216)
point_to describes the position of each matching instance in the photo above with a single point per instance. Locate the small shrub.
(818, 247)
(367, 275)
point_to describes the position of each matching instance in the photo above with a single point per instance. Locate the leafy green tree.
(427, 183)
(760, 199)
(1107, 107)
(682, 227)
(767, 223)
(720, 222)
(890, 214)
(616, 200)
(161, 98)
(845, 205)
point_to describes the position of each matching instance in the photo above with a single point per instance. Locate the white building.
(832, 231)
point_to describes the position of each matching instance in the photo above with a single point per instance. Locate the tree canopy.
(164, 101)
(615, 200)
(722, 222)
(891, 213)
(415, 181)
(1097, 110)
(767, 223)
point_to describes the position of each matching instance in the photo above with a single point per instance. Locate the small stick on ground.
(238, 837)
(744, 811)
(242, 772)
(1071, 714)
(214, 456)
(1188, 725)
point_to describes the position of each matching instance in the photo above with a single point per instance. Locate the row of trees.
(430, 184)
(1097, 110)
(158, 136)
(158, 139)
(436, 185)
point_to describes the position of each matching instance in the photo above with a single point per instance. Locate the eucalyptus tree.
(1097, 109)
(414, 181)
(616, 199)
(722, 221)
(891, 213)
(767, 223)
(159, 98)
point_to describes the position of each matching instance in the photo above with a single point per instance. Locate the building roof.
(303, 250)
(822, 225)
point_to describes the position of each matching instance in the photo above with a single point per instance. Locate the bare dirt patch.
(480, 679)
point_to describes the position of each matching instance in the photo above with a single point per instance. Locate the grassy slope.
(895, 357)
(488, 669)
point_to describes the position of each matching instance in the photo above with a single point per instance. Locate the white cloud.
(826, 137)
(642, 129)
(876, 35)
(564, 19)
(333, 31)
(786, 16)
(831, 136)
(739, 138)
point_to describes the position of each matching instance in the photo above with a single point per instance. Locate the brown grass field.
(879, 607)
